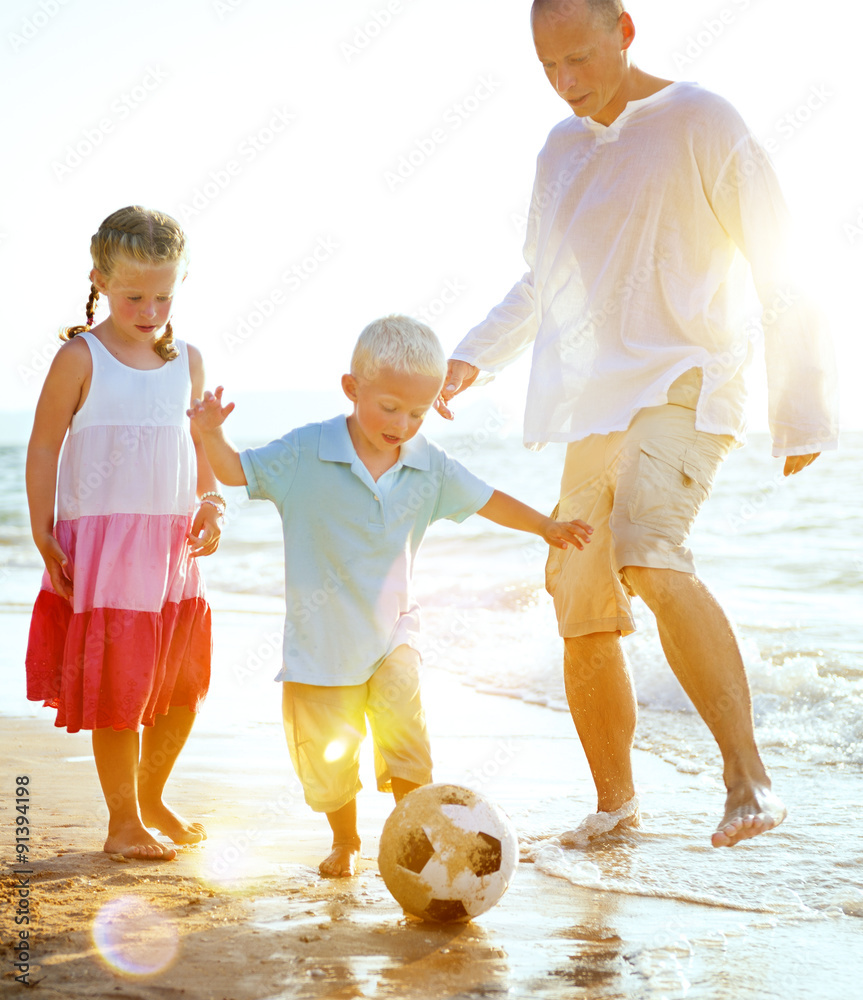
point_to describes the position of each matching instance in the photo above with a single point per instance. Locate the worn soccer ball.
(447, 853)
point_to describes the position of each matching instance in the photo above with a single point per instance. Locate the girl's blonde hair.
(138, 235)
(400, 343)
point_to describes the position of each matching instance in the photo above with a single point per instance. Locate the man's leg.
(603, 707)
(701, 648)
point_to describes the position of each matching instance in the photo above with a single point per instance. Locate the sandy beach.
(247, 916)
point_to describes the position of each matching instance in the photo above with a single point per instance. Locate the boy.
(356, 495)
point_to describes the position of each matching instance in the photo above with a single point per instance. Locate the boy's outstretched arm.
(511, 513)
(208, 415)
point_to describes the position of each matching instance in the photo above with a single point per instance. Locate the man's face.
(583, 60)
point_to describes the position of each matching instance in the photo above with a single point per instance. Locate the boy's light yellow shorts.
(640, 489)
(325, 726)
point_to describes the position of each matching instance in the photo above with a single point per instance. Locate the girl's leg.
(116, 753)
(160, 746)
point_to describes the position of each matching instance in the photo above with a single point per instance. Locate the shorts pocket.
(668, 492)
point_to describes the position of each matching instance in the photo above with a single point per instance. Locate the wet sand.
(247, 916)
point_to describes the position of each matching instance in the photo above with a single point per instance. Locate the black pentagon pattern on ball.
(445, 910)
(416, 851)
(455, 796)
(486, 857)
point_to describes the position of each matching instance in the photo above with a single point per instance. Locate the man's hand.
(208, 413)
(796, 463)
(459, 376)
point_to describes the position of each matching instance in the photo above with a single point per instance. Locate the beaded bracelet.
(218, 496)
(212, 503)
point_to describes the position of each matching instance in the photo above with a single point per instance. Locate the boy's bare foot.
(343, 861)
(133, 841)
(167, 822)
(749, 811)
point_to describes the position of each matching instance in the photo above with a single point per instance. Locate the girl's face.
(140, 297)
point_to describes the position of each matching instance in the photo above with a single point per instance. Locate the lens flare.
(334, 751)
(134, 938)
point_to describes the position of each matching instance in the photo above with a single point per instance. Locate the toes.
(335, 871)
(150, 852)
(338, 866)
(741, 828)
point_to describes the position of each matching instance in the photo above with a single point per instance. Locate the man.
(632, 299)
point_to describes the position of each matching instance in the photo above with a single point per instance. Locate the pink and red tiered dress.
(135, 639)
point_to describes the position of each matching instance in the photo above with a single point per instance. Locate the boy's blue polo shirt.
(350, 544)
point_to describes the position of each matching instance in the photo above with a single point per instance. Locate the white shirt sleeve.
(801, 367)
(511, 327)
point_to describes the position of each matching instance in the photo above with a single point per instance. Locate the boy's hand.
(208, 413)
(561, 533)
(511, 513)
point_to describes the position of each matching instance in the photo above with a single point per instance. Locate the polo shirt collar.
(336, 446)
(415, 453)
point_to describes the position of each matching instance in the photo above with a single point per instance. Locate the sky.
(332, 162)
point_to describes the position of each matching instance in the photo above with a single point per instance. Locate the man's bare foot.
(133, 841)
(167, 822)
(600, 823)
(748, 812)
(343, 861)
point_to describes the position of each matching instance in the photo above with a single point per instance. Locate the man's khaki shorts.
(640, 489)
(325, 726)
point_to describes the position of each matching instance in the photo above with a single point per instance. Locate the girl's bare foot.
(167, 822)
(343, 861)
(132, 840)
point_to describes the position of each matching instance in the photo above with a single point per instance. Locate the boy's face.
(390, 408)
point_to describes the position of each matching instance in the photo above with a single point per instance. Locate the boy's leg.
(344, 858)
(324, 727)
(161, 744)
(402, 752)
(116, 753)
(401, 787)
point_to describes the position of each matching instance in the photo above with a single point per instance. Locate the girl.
(120, 634)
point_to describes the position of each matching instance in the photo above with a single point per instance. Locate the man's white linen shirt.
(636, 239)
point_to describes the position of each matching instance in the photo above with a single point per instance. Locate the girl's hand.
(56, 563)
(206, 531)
(561, 533)
(208, 413)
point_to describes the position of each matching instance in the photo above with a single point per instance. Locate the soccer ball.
(447, 853)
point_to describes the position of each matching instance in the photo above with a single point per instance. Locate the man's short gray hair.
(400, 343)
(606, 12)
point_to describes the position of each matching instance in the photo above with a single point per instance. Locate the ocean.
(783, 556)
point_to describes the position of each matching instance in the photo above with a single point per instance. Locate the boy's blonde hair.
(400, 343)
(139, 236)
